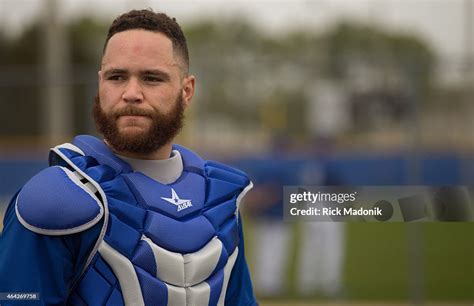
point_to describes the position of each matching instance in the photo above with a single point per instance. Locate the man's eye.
(152, 79)
(116, 78)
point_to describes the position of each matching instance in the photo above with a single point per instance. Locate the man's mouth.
(132, 116)
(132, 120)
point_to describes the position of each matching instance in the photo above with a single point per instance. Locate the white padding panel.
(169, 265)
(188, 269)
(227, 270)
(198, 294)
(125, 273)
(176, 296)
(199, 265)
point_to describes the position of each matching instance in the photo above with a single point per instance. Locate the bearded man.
(132, 219)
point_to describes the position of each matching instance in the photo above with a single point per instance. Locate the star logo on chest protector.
(175, 200)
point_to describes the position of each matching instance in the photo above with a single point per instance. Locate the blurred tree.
(246, 71)
(19, 79)
(87, 38)
(389, 59)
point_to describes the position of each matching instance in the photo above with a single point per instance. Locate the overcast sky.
(440, 22)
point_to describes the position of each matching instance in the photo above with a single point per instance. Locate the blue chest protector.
(160, 244)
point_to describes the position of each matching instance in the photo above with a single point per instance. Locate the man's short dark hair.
(155, 22)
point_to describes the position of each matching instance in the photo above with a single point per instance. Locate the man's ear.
(189, 83)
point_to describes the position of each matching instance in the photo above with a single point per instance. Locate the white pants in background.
(320, 257)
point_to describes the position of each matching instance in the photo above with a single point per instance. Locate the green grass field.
(380, 263)
(400, 262)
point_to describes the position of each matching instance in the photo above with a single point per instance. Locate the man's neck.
(163, 152)
(165, 171)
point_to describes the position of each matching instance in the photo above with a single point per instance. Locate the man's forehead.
(137, 65)
(140, 36)
(142, 47)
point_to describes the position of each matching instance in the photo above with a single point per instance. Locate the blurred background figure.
(271, 239)
(361, 92)
(321, 258)
(317, 265)
(320, 252)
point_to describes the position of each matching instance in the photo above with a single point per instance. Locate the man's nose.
(133, 92)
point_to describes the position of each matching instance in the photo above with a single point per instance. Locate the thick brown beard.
(163, 130)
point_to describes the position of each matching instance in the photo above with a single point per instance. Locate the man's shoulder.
(210, 168)
(225, 172)
(58, 201)
(224, 179)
